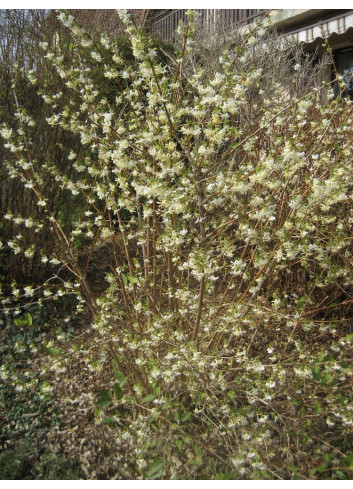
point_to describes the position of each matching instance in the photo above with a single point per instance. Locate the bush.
(228, 302)
(24, 462)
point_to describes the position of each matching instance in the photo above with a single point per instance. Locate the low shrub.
(24, 462)
(227, 312)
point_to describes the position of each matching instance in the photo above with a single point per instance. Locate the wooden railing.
(165, 27)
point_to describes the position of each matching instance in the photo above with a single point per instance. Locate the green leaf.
(105, 398)
(132, 279)
(198, 460)
(212, 466)
(316, 373)
(230, 395)
(197, 450)
(349, 337)
(344, 364)
(52, 351)
(152, 418)
(305, 440)
(116, 373)
(124, 277)
(348, 461)
(148, 398)
(185, 416)
(29, 319)
(107, 420)
(155, 469)
(301, 302)
(318, 408)
(20, 322)
(118, 391)
(326, 378)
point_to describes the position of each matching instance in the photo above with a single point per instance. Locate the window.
(344, 65)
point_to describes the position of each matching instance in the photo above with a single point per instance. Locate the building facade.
(307, 26)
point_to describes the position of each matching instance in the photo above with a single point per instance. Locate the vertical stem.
(199, 308)
(203, 237)
(170, 281)
(131, 269)
(143, 245)
(148, 239)
(154, 247)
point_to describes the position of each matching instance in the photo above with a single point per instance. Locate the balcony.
(165, 27)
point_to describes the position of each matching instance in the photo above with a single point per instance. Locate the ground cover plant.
(215, 203)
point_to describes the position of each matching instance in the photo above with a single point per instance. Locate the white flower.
(29, 291)
(67, 20)
(29, 223)
(96, 56)
(330, 423)
(29, 253)
(259, 367)
(151, 53)
(106, 233)
(16, 292)
(6, 133)
(54, 261)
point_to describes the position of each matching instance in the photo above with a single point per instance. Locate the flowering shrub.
(229, 293)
